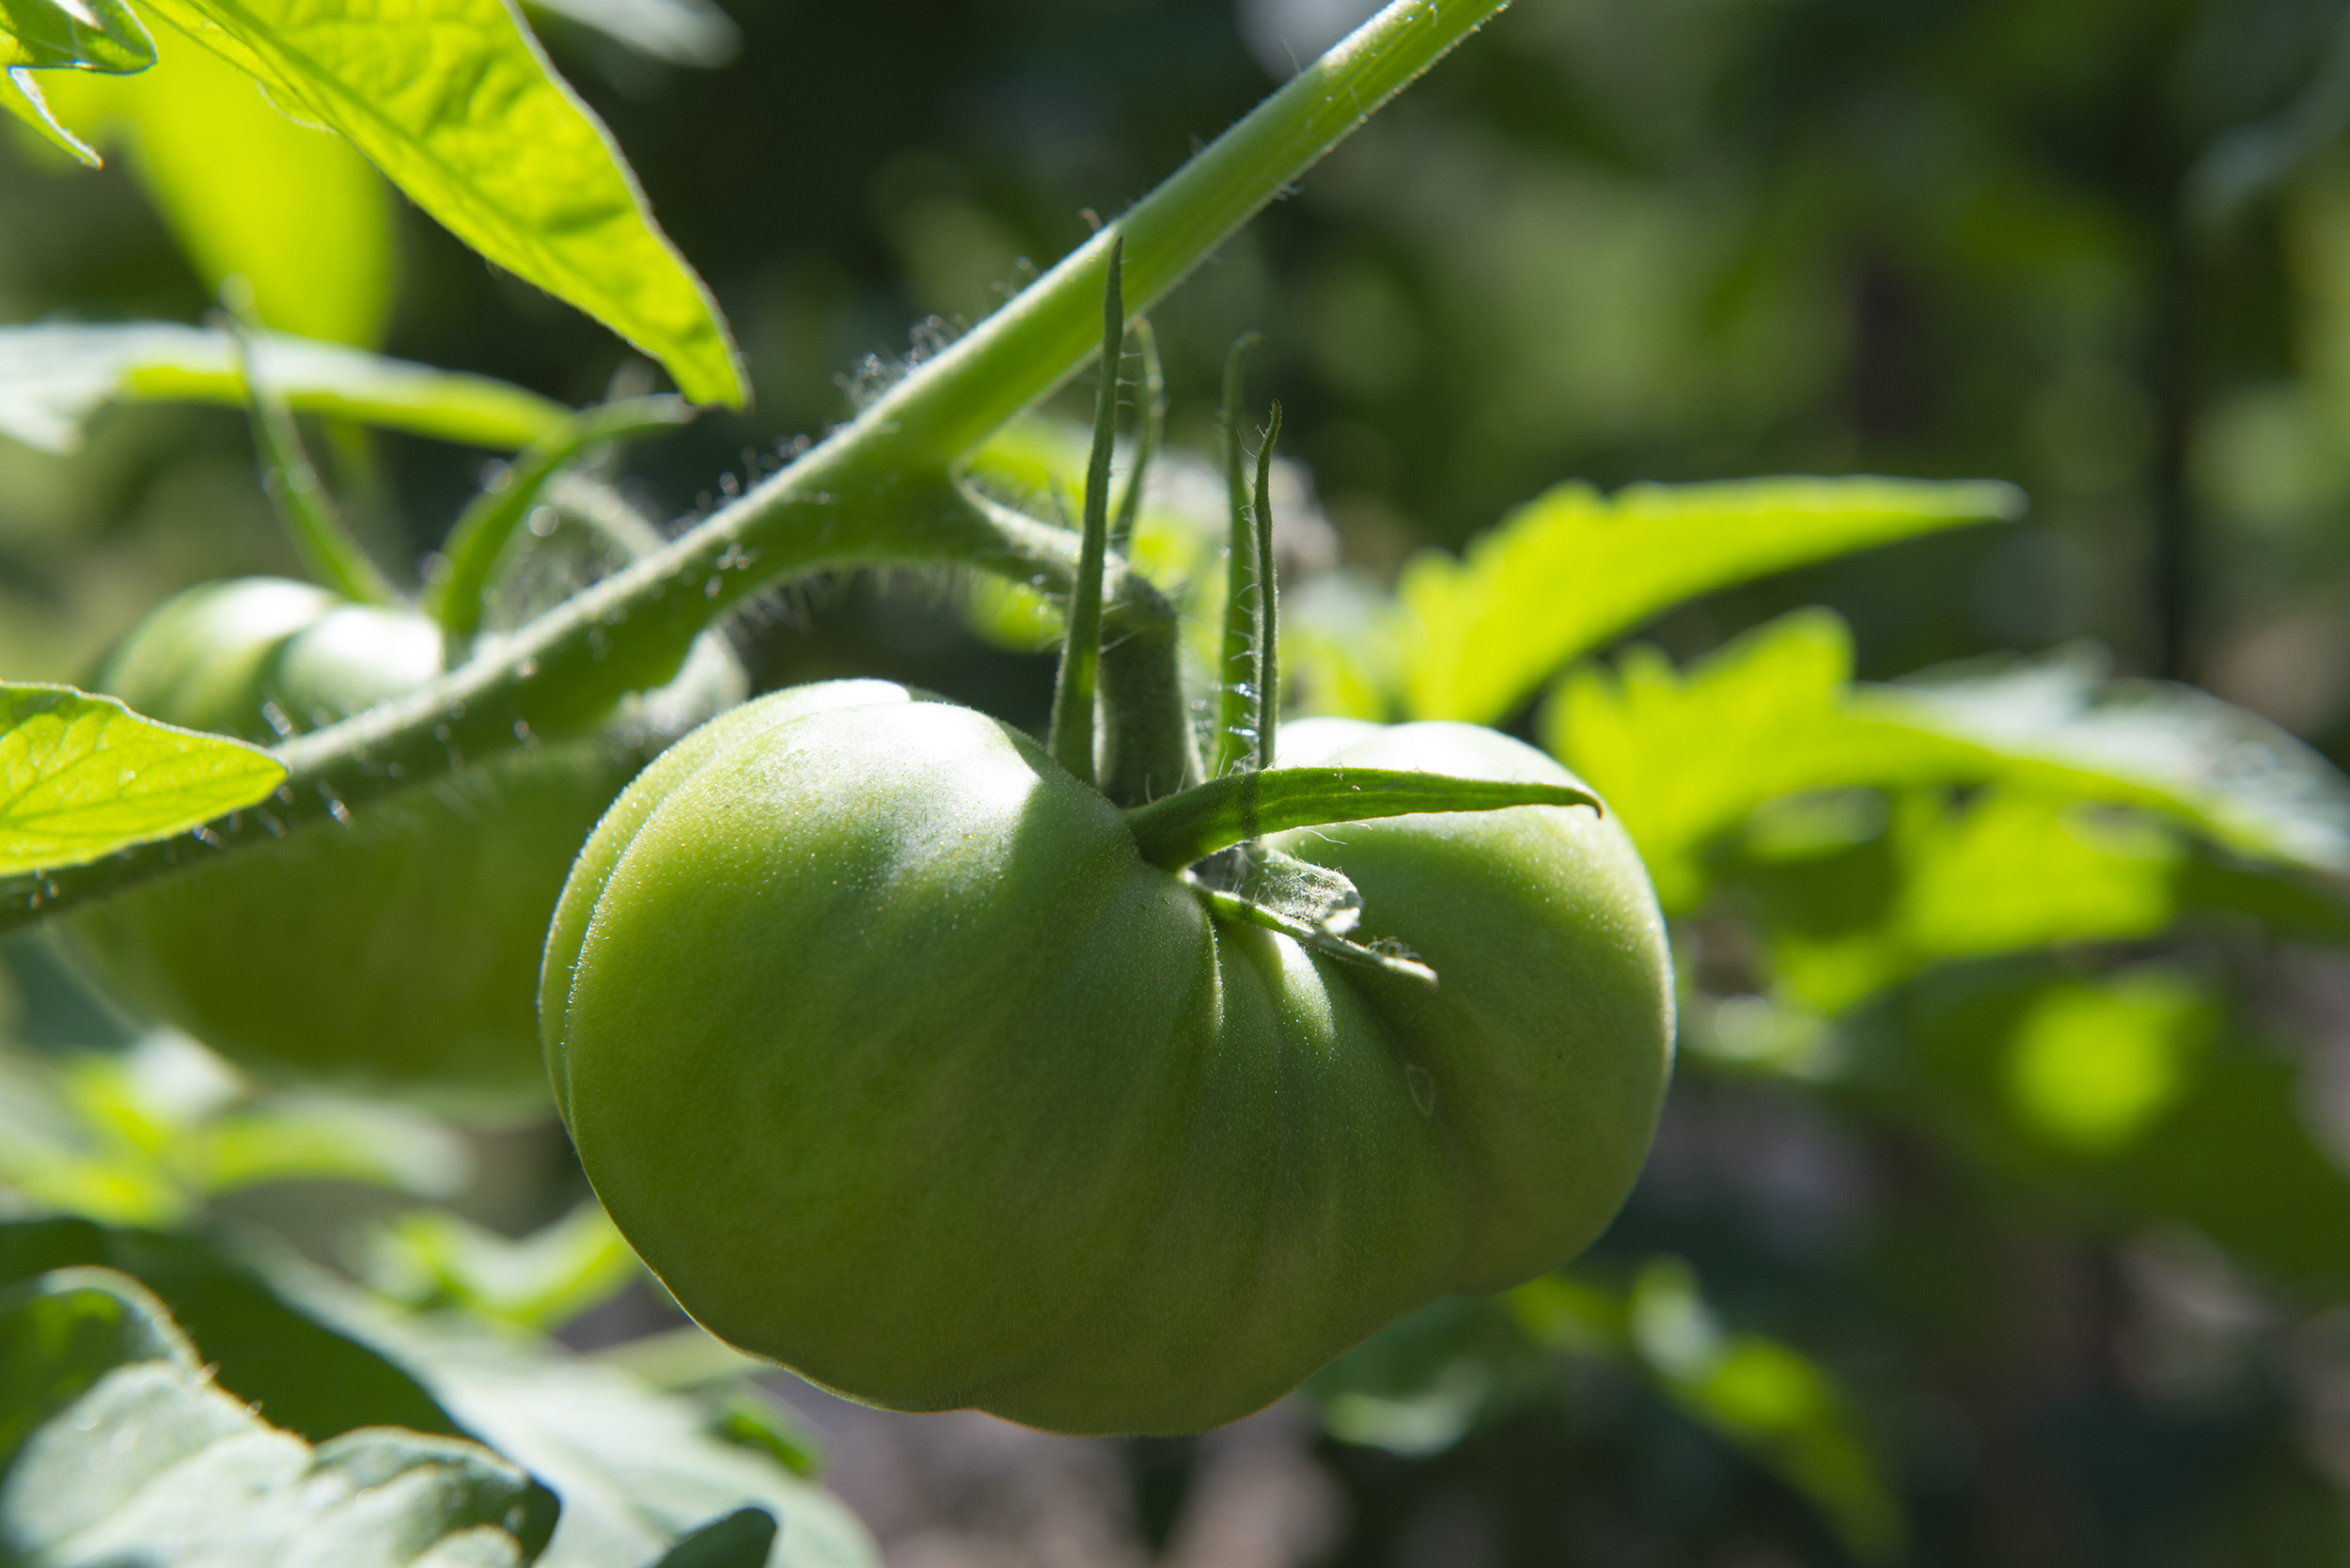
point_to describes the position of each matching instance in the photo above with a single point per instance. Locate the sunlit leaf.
(291, 209)
(431, 1257)
(103, 35)
(1999, 873)
(82, 776)
(1573, 569)
(73, 34)
(133, 1455)
(55, 375)
(22, 95)
(143, 1136)
(1687, 756)
(2090, 1067)
(455, 102)
(1683, 757)
(2247, 782)
(635, 1468)
(303, 1138)
(301, 1375)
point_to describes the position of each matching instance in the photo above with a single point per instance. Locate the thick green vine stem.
(327, 544)
(483, 529)
(879, 490)
(1070, 736)
(1238, 806)
(1268, 703)
(1244, 607)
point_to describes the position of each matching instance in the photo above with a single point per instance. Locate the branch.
(875, 492)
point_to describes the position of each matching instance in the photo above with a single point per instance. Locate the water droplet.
(1423, 1086)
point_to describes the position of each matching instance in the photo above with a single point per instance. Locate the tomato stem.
(1183, 828)
(1152, 400)
(320, 535)
(1235, 733)
(1268, 693)
(879, 490)
(1071, 736)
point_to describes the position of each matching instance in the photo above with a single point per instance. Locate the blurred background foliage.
(2000, 1214)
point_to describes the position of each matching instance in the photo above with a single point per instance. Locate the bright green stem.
(1149, 428)
(1225, 811)
(876, 492)
(324, 541)
(1071, 736)
(1268, 598)
(1236, 670)
(481, 532)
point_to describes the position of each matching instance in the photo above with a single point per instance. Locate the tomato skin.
(899, 1065)
(396, 954)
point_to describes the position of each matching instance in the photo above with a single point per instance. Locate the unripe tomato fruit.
(899, 1065)
(398, 953)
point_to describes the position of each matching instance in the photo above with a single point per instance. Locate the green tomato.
(899, 1065)
(397, 953)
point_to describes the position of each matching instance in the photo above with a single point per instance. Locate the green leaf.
(431, 1257)
(82, 776)
(1687, 756)
(83, 35)
(304, 1376)
(304, 1138)
(43, 35)
(2091, 1067)
(2000, 873)
(248, 193)
(1421, 1385)
(737, 1540)
(1767, 1398)
(1569, 571)
(2193, 1126)
(1684, 757)
(62, 1333)
(140, 1135)
(455, 102)
(2241, 778)
(20, 95)
(55, 375)
(1175, 830)
(635, 1468)
(147, 1461)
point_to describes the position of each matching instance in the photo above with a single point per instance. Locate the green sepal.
(1316, 905)
(1178, 829)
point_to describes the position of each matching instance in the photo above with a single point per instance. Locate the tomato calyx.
(1176, 830)
(1209, 832)
(1313, 905)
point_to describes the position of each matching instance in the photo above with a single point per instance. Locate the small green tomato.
(900, 1065)
(395, 954)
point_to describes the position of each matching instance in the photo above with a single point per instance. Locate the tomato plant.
(1098, 1081)
(397, 953)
